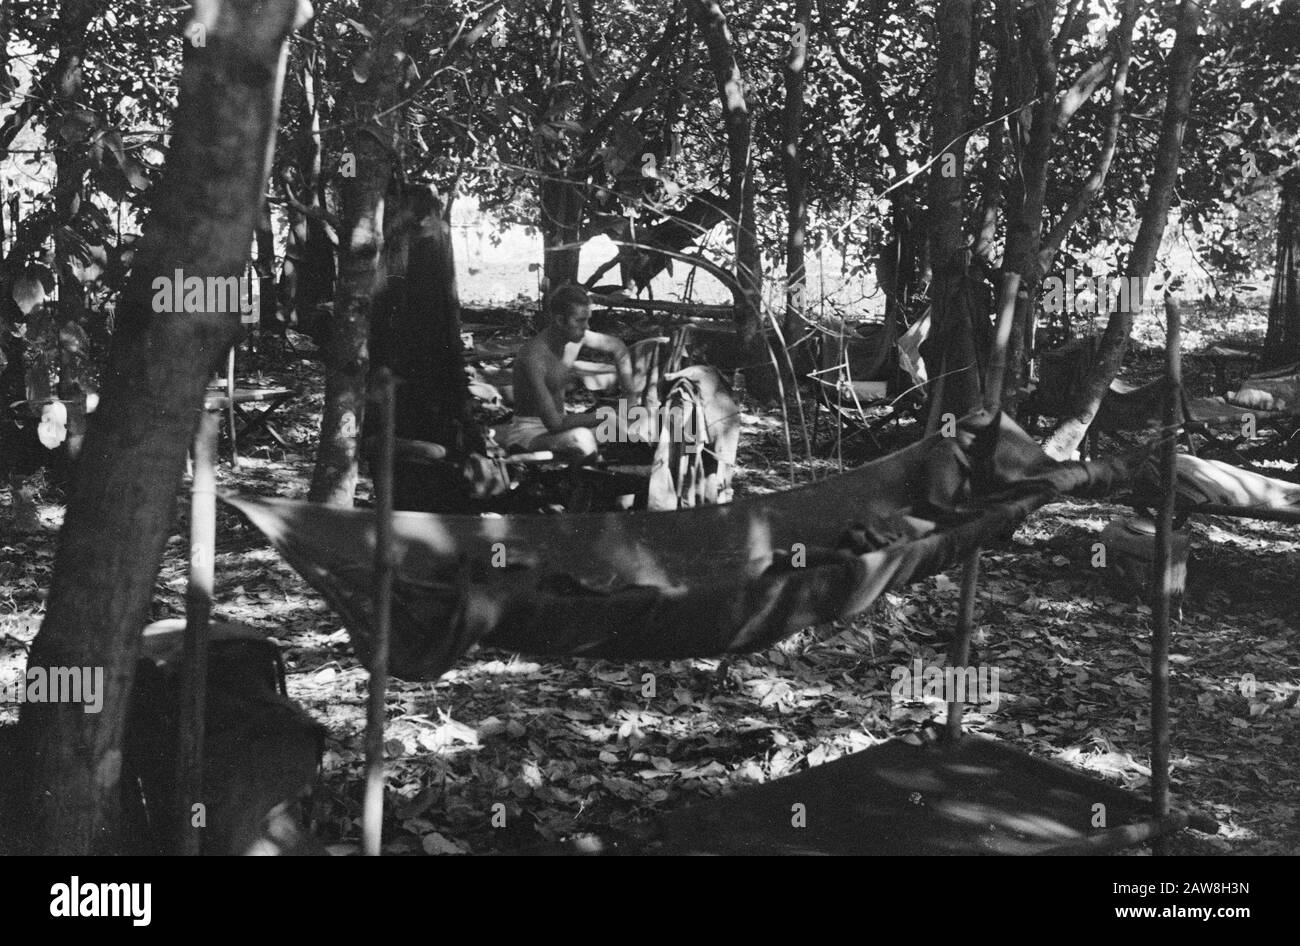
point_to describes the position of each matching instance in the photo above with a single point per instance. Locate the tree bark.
(992, 191)
(372, 142)
(1181, 71)
(417, 335)
(563, 208)
(712, 24)
(1028, 191)
(309, 267)
(951, 346)
(1091, 187)
(123, 501)
(1028, 254)
(1282, 341)
(796, 277)
(264, 267)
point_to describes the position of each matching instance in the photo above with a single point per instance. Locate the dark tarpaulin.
(974, 796)
(694, 582)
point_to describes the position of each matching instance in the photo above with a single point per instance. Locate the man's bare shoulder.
(534, 350)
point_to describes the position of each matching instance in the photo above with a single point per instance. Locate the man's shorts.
(518, 435)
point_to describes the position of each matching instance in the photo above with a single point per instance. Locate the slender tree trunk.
(1092, 185)
(1181, 71)
(992, 192)
(951, 346)
(309, 265)
(1028, 255)
(371, 142)
(796, 277)
(747, 293)
(712, 23)
(417, 335)
(1029, 190)
(1282, 342)
(264, 267)
(123, 501)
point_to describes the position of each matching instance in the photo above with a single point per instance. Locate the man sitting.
(543, 370)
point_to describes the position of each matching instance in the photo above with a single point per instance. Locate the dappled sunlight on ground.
(567, 746)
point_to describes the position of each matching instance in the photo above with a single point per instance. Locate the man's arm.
(608, 344)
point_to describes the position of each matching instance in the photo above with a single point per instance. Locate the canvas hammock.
(696, 582)
(1214, 487)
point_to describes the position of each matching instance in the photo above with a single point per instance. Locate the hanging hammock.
(695, 582)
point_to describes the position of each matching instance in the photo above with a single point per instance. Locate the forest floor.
(570, 746)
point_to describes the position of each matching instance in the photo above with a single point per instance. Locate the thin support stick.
(1262, 513)
(970, 575)
(198, 614)
(785, 410)
(373, 808)
(1162, 576)
(230, 407)
(839, 409)
(960, 653)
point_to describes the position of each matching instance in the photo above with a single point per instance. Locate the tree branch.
(1069, 101)
(1092, 186)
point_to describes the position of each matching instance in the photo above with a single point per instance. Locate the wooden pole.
(373, 809)
(970, 576)
(1262, 513)
(1162, 574)
(198, 614)
(960, 654)
(230, 406)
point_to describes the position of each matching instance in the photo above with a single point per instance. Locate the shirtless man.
(542, 373)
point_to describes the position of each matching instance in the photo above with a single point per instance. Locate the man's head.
(570, 308)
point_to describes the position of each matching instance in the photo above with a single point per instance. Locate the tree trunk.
(372, 143)
(563, 206)
(951, 346)
(747, 293)
(1091, 187)
(123, 501)
(712, 24)
(417, 335)
(309, 264)
(1181, 71)
(1028, 191)
(264, 267)
(1282, 342)
(992, 191)
(796, 277)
